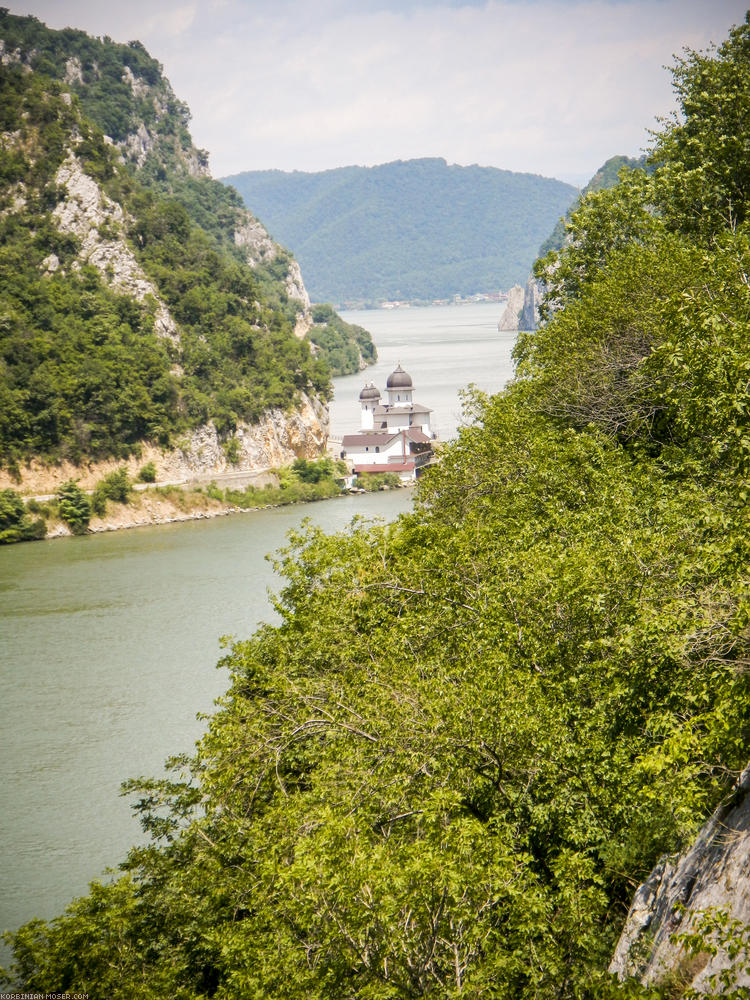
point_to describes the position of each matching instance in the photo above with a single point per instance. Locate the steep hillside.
(415, 229)
(140, 300)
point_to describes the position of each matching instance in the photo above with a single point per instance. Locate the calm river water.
(108, 643)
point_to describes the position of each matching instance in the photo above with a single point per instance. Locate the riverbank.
(150, 509)
(116, 503)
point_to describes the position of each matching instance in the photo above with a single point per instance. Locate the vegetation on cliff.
(607, 176)
(414, 229)
(83, 371)
(474, 731)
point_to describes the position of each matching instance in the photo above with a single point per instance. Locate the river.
(109, 642)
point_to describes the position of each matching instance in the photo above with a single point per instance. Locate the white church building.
(395, 436)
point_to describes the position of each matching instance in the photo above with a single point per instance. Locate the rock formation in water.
(706, 887)
(512, 312)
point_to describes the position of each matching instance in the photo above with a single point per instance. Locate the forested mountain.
(139, 298)
(414, 229)
(474, 731)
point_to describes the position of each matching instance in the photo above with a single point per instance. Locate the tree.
(74, 507)
(703, 152)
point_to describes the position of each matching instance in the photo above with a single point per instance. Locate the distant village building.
(395, 436)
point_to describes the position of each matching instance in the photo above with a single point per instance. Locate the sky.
(551, 87)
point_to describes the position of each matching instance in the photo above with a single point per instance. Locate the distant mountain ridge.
(410, 229)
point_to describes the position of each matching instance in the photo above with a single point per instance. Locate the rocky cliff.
(275, 440)
(532, 296)
(703, 892)
(512, 312)
(149, 314)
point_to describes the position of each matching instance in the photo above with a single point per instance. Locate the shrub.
(313, 472)
(370, 481)
(74, 507)
(147, 473)
(115, 486)
(232, 450)
(15, 523)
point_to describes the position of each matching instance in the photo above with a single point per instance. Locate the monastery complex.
(395, 436)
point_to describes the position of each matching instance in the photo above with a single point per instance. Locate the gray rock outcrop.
(713, 876)
(532, 296)
(274, 441)
(88, 214)
(258, 247)
(512, 312)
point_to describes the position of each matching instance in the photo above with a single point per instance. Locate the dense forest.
(414, 229)
(475, 730)
(83, 371)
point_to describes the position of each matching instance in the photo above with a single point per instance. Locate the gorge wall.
(706, 890)
(274, 441)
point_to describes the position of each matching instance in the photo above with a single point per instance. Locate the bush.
(371, 481)
(15, 523)
(74, 507)
(147, 473)
(232, 450)
(115, 486)
(313, 472)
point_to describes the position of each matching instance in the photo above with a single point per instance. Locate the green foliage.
(231, 449)
(15, 524)
(712, 932)
(115, 486)
(74, 507)
(371, 481)
(472, 731)
(607, 176)
(147, 473)
(703, 152)
(312, 471)
(345, 347)
(418, 229)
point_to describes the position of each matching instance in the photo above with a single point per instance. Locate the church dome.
(370, 391)
(399, 379)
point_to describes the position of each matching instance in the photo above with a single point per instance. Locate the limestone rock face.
(511, 315)
(73, 70)
(259, 248)
(531, 298)
(252, 237)
(713, 875)
(276, 440)
(138, 145)
(85, 211)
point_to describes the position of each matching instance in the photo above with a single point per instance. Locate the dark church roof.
(399, 379)
(370, 391)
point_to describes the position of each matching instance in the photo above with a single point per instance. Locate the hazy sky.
(553, 87)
